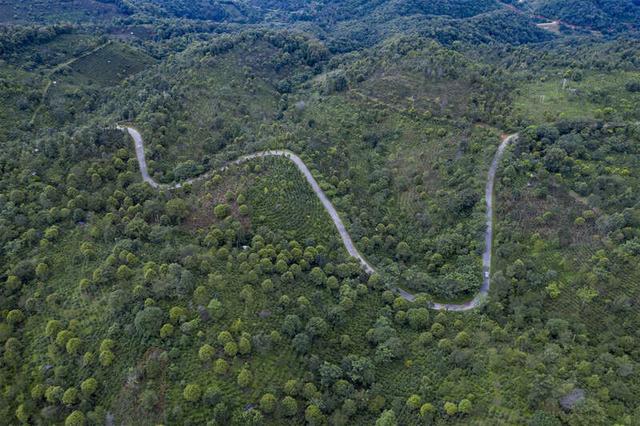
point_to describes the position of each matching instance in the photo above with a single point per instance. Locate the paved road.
(335, 217)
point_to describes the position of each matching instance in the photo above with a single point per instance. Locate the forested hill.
(348, 212)
(352, 24)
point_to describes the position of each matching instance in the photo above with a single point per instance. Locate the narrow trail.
(335, 217)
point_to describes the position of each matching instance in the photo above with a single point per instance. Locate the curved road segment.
(328, 206)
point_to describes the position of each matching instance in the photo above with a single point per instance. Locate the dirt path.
(335, 217)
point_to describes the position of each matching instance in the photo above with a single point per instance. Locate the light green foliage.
(464, 406)
(76, 418)
(166, 330)
(220, 366)
(192, 392)
(106, 358)
(427, 410)
(414, 402)
(73, 345)
(450, 408)
(221, 211)
(244, 378)
(289, 406)
(70, 396)
(206, 353)
(268, 403)
(89, 386)
(15, 317)
(313, 415)
(387, 418)
(53, 394)
(231, 349)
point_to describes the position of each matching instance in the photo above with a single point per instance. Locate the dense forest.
(221, 293)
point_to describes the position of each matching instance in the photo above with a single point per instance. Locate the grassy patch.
(556, 97)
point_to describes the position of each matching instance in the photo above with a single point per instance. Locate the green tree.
(244, 346)
(387, 418)
(450, 408)
(268, 403)
(221, 211)
(166, 330)
(215, 309)
(149, 320)
(291, 387)
(206, 353)
(70, 396)
(76, 418)
(15, 317)
(231, 349)
(53, 394)
(177, 210)
(313, 415)
(22, 414)
(465, 406)
(42, 271)
(73, 345)
(192, 392)
(427, 410)
(418, 318)
(220, 367)
(89, 386)
(244, 378)
(414, 402)
(289, 406)
(106, 358)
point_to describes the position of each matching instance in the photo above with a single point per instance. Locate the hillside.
(319, 213)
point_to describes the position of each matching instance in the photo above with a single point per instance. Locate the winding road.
(335, 217)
